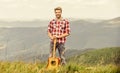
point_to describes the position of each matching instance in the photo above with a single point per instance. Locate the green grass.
(21, 67)
(100, 56)
(104, 60)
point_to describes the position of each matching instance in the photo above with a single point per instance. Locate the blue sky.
(43, 9)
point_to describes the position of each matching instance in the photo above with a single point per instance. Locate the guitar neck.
(54, 47)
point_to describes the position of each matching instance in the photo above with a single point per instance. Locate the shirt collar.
(60, 19)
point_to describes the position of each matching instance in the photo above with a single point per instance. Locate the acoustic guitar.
(53, 62)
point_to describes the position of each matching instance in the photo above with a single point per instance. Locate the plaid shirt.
(58, 28)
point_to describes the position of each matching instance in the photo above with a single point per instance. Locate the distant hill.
(29, 40)
(114, 21)
(98, 56)
(16, 24)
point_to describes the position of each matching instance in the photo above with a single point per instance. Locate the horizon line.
(35, 19)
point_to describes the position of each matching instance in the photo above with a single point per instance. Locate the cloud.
(83, 2)
(62, 1)
(44, 8)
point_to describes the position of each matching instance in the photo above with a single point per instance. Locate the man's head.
(58, 12)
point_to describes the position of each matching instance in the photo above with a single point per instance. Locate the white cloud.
(96, 2)
(31, 9)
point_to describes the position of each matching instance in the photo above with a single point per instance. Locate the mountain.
(115, 22)
(93, 35)
(15, 24)
(29, 40)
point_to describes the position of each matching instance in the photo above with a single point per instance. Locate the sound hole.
(53, 63)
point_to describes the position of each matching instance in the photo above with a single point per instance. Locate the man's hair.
(58, 8)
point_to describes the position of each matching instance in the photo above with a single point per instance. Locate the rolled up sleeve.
(50, 27)
(67, 30)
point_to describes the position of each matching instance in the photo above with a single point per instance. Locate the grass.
(98, 56)
(104, 60)
(21, 67)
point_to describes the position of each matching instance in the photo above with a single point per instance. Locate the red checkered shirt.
(58, 28)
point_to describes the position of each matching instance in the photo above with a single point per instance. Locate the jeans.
(61, 51)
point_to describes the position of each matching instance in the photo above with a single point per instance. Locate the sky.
(44, 9)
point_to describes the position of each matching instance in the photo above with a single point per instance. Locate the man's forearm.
(50, 36)
(63, 35)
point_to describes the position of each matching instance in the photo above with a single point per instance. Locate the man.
(59, 29)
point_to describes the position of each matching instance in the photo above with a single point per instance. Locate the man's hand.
(53, 37)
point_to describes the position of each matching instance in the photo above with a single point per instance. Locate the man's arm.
(50, 36)
(49, 31)
(63, 35)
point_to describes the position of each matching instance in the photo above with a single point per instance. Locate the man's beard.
(58, 16)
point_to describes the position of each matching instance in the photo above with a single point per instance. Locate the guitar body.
(53, 63)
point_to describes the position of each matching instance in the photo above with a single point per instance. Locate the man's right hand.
(53, 37)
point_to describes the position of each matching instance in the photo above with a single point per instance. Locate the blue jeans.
(61, 51)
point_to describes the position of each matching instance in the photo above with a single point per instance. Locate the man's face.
(58, 13)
